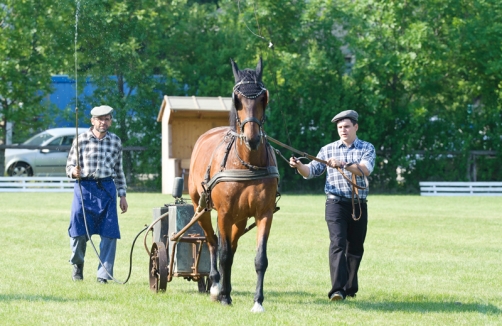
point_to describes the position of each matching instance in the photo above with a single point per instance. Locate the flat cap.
(98, 111)
(347, 114)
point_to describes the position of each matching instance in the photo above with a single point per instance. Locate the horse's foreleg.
(228, 247)
(261, 261)
(226, 261)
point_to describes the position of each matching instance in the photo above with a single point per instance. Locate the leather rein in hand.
(353, 182)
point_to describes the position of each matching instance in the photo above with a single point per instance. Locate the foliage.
(26, 62)
(427, 80)
(303, 66)
(121, 47)
(425, 77)
(25, 65)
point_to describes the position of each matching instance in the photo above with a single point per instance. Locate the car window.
(37, 140)
(67, 140)
(55, 142)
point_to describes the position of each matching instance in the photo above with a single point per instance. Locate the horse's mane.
(250, 90)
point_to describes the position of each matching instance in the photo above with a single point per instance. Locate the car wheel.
(20, 169)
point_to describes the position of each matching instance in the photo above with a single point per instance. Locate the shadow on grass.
(426, 306)
(418, 305)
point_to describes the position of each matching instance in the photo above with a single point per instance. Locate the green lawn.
(428, 261)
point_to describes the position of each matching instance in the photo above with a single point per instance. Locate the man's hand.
(76, 172)
(336, 163)
(123, 204)
(297, 164)
(294, 162)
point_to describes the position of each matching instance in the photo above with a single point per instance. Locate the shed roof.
(194, 107)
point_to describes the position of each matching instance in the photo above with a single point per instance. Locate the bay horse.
(233, 170)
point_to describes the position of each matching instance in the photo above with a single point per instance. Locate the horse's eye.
(237, 103)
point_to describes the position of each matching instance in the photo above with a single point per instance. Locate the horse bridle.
(244, 82)
(251, 119)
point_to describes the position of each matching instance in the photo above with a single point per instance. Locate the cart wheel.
(204, 284)
(158, 267)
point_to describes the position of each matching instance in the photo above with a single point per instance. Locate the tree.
(416, 74)
(304, 72)
(25, 65)
(121, 48)
(424, 76)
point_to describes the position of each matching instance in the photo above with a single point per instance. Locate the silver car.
(41, 162)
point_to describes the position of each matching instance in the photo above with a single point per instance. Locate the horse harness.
(234, 175)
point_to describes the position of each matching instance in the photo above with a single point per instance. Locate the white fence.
(444, 188)
(36, 184)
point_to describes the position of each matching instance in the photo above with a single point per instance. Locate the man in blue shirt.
(346, 232)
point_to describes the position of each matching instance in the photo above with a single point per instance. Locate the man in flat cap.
(346, 211)
(95, 160)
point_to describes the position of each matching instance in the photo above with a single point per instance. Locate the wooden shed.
(183, 120)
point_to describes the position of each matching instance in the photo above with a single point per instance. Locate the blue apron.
(100, 202)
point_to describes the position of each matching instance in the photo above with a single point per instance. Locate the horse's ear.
(235, 69)
(259, 70)
(266, 98)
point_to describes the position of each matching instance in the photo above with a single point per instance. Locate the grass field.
(428, 261)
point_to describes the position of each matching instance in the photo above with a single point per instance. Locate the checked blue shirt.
(99, 158)
(360, 152)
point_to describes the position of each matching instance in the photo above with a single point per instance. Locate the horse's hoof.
(215, 292)
(257, 308)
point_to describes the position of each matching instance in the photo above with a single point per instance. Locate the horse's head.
(250, 98)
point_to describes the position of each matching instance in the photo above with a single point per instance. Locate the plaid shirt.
(99, 158)
(359, 152)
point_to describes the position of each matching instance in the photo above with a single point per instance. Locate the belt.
(97, 180)
(345, 199)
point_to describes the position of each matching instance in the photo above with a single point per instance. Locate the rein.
(313, 158)
(352, 182)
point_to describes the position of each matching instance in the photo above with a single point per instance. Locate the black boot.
(78, 272)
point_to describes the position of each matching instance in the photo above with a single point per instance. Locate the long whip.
(76, 84)
(78, 167)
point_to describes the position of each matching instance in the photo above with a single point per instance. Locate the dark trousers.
(346, 244)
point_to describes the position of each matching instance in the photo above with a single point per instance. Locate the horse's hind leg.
(261, 261)
(212, 244)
